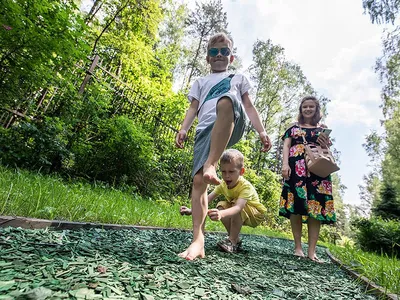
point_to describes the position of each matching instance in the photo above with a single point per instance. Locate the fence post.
(40, 102)
(89, 73)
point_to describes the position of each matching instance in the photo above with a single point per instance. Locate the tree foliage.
(120, 130)
(389, 206)
(382, 11)
(38, 39)
(202, 22)
(383, 149)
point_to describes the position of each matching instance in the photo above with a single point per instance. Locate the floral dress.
(305, 193)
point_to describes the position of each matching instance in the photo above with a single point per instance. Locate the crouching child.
(241, 205)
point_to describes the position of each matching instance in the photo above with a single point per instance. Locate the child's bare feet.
(195, 250)
(299, 253)
(315, 259)
(185, 211)
(210, 175)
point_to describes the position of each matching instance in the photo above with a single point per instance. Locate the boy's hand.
(214, 214)
(265, 141)
(180, 138)
(185, 211)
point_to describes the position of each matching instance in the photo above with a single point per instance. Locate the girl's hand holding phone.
(323, 138)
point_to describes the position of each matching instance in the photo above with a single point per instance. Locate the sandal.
(227, 246)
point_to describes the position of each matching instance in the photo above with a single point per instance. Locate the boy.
(218, 100)
(241, 207)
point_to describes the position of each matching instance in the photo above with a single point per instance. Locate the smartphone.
(326, 131)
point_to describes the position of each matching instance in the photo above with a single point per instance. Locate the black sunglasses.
(225, 51)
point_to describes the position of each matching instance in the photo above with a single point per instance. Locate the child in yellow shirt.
(241, 206)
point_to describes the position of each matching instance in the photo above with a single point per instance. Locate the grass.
(381, 269)
(28, 194)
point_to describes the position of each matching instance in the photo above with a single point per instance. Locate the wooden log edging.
(33, 223)
(371, 287)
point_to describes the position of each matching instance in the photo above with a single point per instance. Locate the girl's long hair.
(317, 116)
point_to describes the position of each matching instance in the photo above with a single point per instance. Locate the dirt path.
(142, 264)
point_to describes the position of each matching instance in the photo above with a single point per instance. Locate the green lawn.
(34, 195)
(28, 194)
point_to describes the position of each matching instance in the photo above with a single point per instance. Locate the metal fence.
(126, 100)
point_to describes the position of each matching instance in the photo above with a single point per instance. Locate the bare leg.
(199, 211)
(313, 235)
(220, 135)
(236, 226)
(295, 222)
(225, 221)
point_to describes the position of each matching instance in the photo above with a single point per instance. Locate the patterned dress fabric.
(305, 193)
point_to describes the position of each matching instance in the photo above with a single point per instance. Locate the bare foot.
(299, 253)
(210, 175)
(195, 250)
(316, 259)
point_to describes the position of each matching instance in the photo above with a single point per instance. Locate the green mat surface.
(143, 264)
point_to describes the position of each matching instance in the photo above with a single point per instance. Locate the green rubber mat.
(143, 264)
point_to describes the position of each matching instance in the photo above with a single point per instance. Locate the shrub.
(120, 153)
(268, 189)
(39, 144)
(377, 235)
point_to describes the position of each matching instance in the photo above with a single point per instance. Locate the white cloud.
(333, 42)
(352, 84)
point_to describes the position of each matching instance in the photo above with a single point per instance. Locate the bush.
(377, 235)
(268, 189)
(329, 234)
(39, 144)
(121, 153)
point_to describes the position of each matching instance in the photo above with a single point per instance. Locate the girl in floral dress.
(305, 196)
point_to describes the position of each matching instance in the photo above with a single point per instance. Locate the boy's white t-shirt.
(239, 85)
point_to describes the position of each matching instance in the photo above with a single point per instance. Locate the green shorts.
(202, 139)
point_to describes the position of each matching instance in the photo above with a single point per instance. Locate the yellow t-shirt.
(243, 190)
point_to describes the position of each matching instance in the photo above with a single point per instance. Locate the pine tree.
(389, 207)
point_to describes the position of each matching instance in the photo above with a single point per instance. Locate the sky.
(336, 46)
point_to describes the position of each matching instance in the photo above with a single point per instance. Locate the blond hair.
(232, 156)
(219, 38)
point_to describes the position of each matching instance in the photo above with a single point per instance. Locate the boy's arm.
(212, 196)
(187, 123)
(217, 215)
(187, 211)
(255, 119)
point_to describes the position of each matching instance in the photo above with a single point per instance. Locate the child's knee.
(224, 104)
(198, 181)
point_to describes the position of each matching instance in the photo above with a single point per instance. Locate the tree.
(278, 86)
(389, 207)
(383, 149)
(205, 20)
(382, 11)
(38, 39)
(370, 192)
